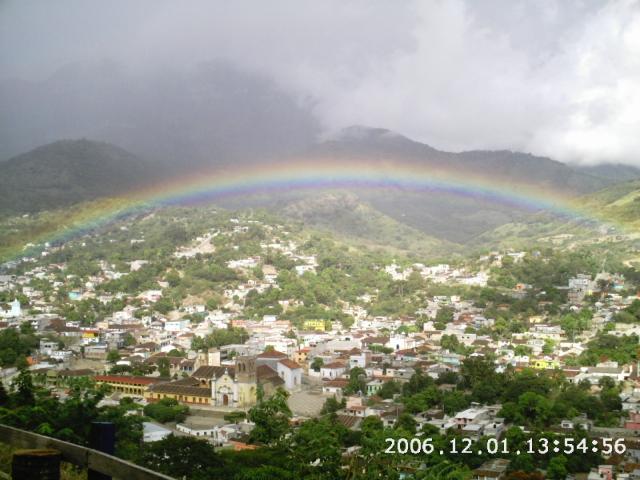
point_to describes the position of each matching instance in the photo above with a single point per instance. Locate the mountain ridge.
(66, 172)
(70, 171)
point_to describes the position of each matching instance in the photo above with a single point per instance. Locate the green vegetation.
(220, 338)
(65, 173)
(35, 409)
(544, 272)
(609, 347)
(15, 346)
(347, 275)
(166, 410)
(631, 314)
(271, 418)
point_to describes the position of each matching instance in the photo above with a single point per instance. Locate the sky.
(559, 78)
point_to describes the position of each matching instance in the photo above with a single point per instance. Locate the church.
(236, 386)
(227, 386)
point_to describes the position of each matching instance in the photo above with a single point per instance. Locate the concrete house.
(291, 373)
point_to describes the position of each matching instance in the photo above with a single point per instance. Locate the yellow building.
(233, 386)
(238, 387)
(127, 384)
(300, 356)
(542, 364)
(185, 394)
(314, 325)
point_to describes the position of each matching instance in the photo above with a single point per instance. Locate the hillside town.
(145, 332)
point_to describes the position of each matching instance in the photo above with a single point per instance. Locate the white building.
(197, 431)
(401, 342)
(153, 432)
(14, 311)
(176, 325)
(332, 370)
(291, 373)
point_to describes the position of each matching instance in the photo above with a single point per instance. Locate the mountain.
(609, 224)
(618, 204)
(358, 142)
(446, 216)
(68, 172)
(346, 215)
(616, 172)
(213, 114)
(453, 217)
(65, 172)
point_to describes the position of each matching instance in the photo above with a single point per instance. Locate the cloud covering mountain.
(554, 78)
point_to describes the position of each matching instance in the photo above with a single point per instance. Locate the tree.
(447, 377)
(357, 381)
(406, 422)
(522, 350)
(271, 418)
(219, 338)
(370, 425)
(606, 383)
(454, 401)
(317, 364)
(332, 405)
(451, 343)
(26, 328)
(610, 399)
(129, 429)
(444, 470)
(113, 356)
(164, 305)
(291, 334)
(477, 369)
(4, 397)
(235, 417)
(173, 278)
(522, 463)
(15, 346)
(444, 315)
(389, 389)
(129, 340)
(548, 346)
(423, 400)
(25, 391)
(164, 367)
(535, 408)
(557, 468)
(180, 457)
(212, 304)
(166, 410)
(316, 450)
(418, 382)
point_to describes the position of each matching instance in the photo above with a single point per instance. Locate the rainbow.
(317, 173)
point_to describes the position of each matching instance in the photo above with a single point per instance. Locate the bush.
(166, 410)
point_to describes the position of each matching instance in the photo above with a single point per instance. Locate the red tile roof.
(272, 354)
(126, 379)
(334, 365)
(338, 382)
(290, 364)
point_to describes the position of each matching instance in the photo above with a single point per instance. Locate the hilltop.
(378, 144)
(618, 203)
(352, 219)
(67, 172)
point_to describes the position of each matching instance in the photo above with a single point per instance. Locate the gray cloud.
(557, 78)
